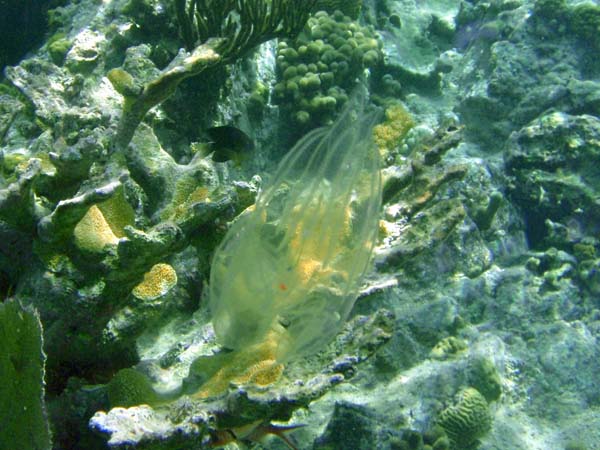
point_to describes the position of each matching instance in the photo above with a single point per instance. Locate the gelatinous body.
(290, 269)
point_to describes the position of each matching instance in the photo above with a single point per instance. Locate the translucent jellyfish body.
(289, 269)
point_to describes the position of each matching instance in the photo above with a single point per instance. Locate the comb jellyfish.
(289, 269)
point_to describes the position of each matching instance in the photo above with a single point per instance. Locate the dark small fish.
(229, 143)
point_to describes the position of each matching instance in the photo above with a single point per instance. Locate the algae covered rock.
(483, 376)
(130, 388)
(348, 416)
(447, 348)
(58, 47)
(554, 162)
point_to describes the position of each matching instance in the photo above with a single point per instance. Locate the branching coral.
(83, 226)
(215, 32)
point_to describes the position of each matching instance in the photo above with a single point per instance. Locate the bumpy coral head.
(294, 264)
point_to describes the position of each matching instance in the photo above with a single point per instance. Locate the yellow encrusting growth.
(159, 280)
(117, 212)
(390, 133)
(187, 193)
(256, 365)
(93, 232)
(103, 224)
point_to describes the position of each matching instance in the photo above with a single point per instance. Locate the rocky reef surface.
(477, 323)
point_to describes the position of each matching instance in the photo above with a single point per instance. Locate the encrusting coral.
(256, 365)
(129, 388)
(92, 233)
(156, 283)
(398, 122)
(104, 223)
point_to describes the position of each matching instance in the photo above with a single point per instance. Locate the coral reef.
(350, 8)
(554, 147)
(416, 184)
(245, 401)
(213, 38)
(318, 70)
(467, 420)
(118, 201)
(130, 388)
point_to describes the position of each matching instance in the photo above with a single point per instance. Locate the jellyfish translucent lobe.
(290, 269)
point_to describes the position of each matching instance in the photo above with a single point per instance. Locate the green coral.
(484, 376)
(576, 446)
(58, 47)
(22, 411)
(434, 439)
(448, 347)
(188, 191)
(317, 70)
(130, 388)
(117, 212)
(584, 251)
(350, 8)
(549, 9)
(442, 443)
(484, 216)
(123, 83)
(258, 100)
(467, 420)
